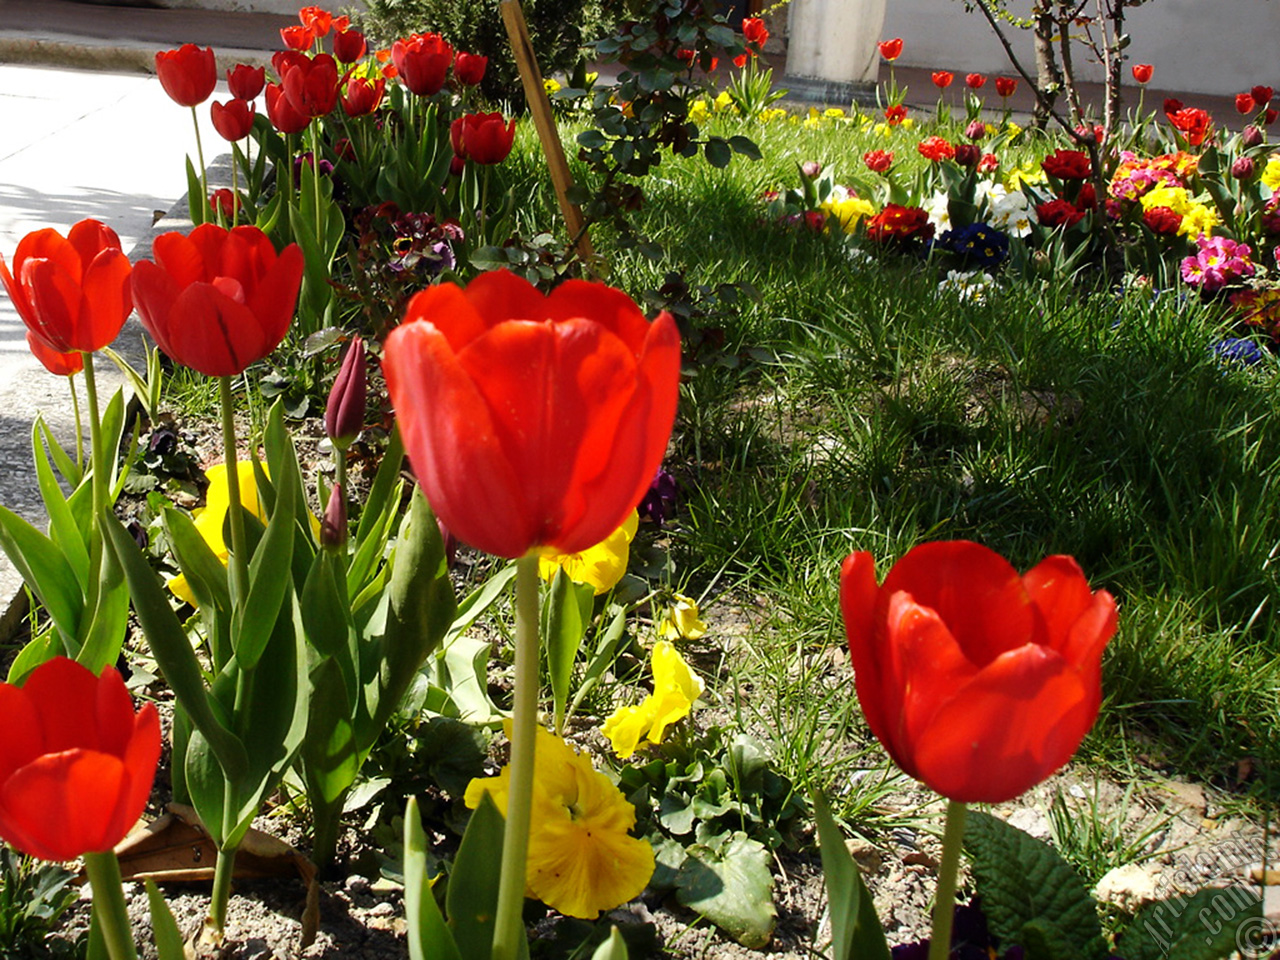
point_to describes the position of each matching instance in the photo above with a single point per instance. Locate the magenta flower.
(1217, 263)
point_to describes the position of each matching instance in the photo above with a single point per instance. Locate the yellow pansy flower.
(723, 101)
(551, 85)
(602, 566)
(675, 688)
(848, 210)
(770, 114)
(1271, 173)
(698, 111)
(682, 621)
(582, 858)
(210, 518)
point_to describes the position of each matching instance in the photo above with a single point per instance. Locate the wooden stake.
(536, 96)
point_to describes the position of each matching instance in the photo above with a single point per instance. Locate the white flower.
(972, 285)
(939, 214)
(1010, 212)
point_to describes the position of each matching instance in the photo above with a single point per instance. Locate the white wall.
(1210, 46)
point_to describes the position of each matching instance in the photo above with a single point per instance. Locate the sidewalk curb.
(74, 53)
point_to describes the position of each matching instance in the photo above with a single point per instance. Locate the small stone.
(1190, 795)
(382, 909)
(1128, 887)
(357, 884)
(865, 854)
(918, 858)
(1031, 822)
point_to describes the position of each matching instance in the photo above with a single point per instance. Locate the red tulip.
(482, 137)
(349, 45)
(59, 364)
(285, 60)
(942, 79)
(878, 161)
(233, 120)
(72, 293)
(187, 74)
(312, 85)
(1261, 95)
(755, 32)
(246, 82)
(1244, 103)
(316, 20)
(77, 763)
(1005, 86)
(362, 97)
(344, 413)
(224, 201)
(895, 113)
(978, 682)
(891, 49)
(297, 38)
(1142, 72)
(532, 420)
(974, 81)
(281, 112)
(217, 300)
(469, 67)
(423, 61)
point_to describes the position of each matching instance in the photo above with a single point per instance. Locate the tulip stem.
(204, 176)
(238, 563)
(944, 904)
(524, 727)
(75, 406)
(108, 903)
(97, 456)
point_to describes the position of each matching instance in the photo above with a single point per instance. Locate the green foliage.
(1207, 925)
(727, 879)
(856, 933)
(557, 28)
(33, 897)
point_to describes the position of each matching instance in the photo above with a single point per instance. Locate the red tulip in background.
(1261, 95)
(1005, 86)
(344, 412)
(974, 81)
(281, 112)
(72, 292)
(878, 161)
(1058, 213)
(936, 148)
(532, 420)
(349, 45)
(217, 300)
(942, 79)
(316, 19)
(1067, 165)
(423, 61)
(1142, 72)
(233, 120)
(77, 764)
(59, 364)
(362, 97)
(312, 85)
(755, 32)
(469, 68)
(891, 49)
(1191, 122)
(482, 137)
(297, 38)
(895, 113)
(246, 82)
(224, 201)
(187, 74)
(978, 682)
(1244, 103)
(967, 154)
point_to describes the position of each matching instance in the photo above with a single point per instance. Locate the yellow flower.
(210, 518)
(551, 85)
(834, 113)
(882, 130)
(698, 111)
(1197, 218)
(908, 123)
(812, 123)
(1271, 173)
(770, 114)
(602, 566)
(1027, 173)
(675, 688)
(849, 210)
(682, 621)
(724, 101)
(582, 858)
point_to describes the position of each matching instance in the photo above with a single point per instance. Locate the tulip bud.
(1251, 136)
(333, 526)
(344, 413)
(968, 154)
(810, 169)
(1243, 168)
(976, 130)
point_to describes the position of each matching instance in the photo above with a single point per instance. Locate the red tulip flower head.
(1005, 86)
(362, 97)
(187, 74)
(977, 681)
(423, 61)
(77, 763)
(316, 19)
(233, 120)
(217, 300)
(878, 161)
(531, 420)
(297, 38)
(281, 112)
(349, 45)
(891, 49)
(1244, 103)
(312, 85)
(942, 79)
(59, 364)
(482, 137)
(755, 32)
(469, 68)
(1261, 95)
(73, 292)
(246, 82)
(1142, 72)
(974, 81)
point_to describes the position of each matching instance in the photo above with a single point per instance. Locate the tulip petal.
(21, 302)
(47, 244)
(1079, 622)
(449, 433)
(1015, 723)
(493, 297)
(55, 300)
(976, 593)
(91, 237)
(154, 292)
(62, 805)
(179, 257)
(141, 755)
(114, 718)
(605, 305)
(276, 294)
(106, 300)
(23, 738)
(216, 335)
(65, 695)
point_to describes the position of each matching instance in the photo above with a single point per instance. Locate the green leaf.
(63, 530)
(1210, 924)
(40, 648)
(429, 936)
(727, 880)
(472, 898)
(45, 570)
(745, 146)
(269, 578)
(329, 754)
(717, 152)
(112, 433)
(197, 202)
(66, 466)
(106, 616)
(206, 574)
(164, 929)
(564, 629)
(615, 948)
(1021, 879)
(856, 933)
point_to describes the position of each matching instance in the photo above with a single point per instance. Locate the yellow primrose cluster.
(675, 688)
(1029, 172)
(582, 858)
(848, 209)
(1197, 218)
